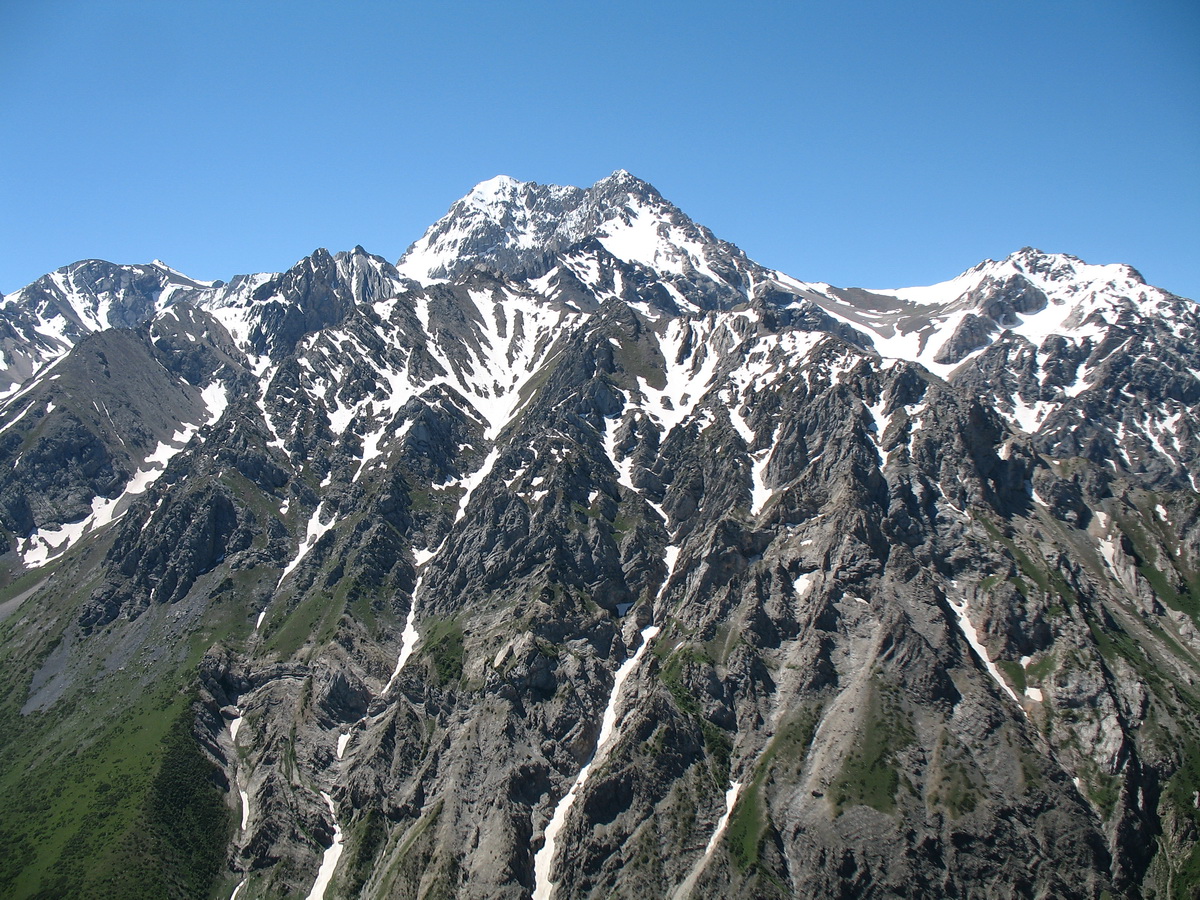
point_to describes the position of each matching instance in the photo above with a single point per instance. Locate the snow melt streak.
(685, 888)
(316, 528)
(330, 860)
(972, 636)
(471, 482)
(46, 544)
(408, 639)
(543, 886)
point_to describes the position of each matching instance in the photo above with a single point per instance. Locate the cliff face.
(579, 555)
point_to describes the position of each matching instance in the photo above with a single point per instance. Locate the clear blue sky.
(860, 143)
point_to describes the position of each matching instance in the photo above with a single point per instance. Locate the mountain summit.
(578, 555)
(515, 227)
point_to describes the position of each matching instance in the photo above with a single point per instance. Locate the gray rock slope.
(917, 573)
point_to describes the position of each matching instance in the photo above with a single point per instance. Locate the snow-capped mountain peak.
(44, 319)
(497, 186)
(516, 227)
(181, 276)
(1029, 294)
(638, 226)
(1059, 275)
(501, 222)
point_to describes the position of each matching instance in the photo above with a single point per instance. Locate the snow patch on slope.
(544, 857)
(313, 533)
(408, 638)
(972, 636)
(329, 859)
(47, 544)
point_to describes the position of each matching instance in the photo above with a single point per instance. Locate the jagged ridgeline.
(577, 555)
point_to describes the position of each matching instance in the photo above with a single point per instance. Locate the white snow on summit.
(1060, 276)
(1082, 300)
(499, 213)
(502, 217)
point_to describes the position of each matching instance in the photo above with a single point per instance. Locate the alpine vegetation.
(577, 555)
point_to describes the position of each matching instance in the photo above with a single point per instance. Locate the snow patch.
(330, 859)
(544, 857)
(1030, 416)
(474, 480)
(691, 366)
(972, 636)
(316, 528)
(670, 557)
(216, 400)
(46, 544)
(760, 493)
(731, 796)
(408, 638)
(1108, 549)
(879, 423)
(624, 466)
(685, 889)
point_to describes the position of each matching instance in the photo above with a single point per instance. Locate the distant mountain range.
(578, 555)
